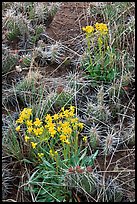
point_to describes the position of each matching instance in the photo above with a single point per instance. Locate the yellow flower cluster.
(24, 115)
(38, 131)
(40, 155)
(53, 153)
(101, 27)
(18, 128)
(26, 138)
(59, 127)
(58, 124)
(84, 138)
(88, 29)
(33, 144)
(37, 122)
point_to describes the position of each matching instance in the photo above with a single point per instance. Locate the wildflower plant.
(57, 134)
(99, 62)
(54, 141)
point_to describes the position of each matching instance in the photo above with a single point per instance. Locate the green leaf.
(48, 164)
(83, 155)
(95, 155)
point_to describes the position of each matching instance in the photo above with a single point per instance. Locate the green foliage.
(63, 99)
(13, 29)
(12, 142)
(47, 186)
(26, 61)
(8, 60)
(103, 67)
(36, 36)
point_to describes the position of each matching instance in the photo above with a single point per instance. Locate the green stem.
(88, 44)
(57, 162)
(76, 144)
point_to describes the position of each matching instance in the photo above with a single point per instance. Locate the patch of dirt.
(66, 28)
(67, 24)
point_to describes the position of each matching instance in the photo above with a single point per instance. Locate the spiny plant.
(95, 107)
(35, 37)
(40, 13)
(9, 60)
(128, 132)
(7, 178)
(51, 54)
(112, 192)
(25, 60)
(82, 179)
(16, 26)
(110, 141)
(94, 137)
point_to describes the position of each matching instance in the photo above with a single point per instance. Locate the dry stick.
(109, 185)
(9, 200)
(126, 182)
(114, 171)
(48, 193)
(125, 112)
(31, 192)
(106, 170)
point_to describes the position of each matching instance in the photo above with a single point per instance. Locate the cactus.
(9, 60)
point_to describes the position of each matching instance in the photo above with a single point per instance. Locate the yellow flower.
(59, 129)
(50, 125)
(20, 120)
(66, 113)
(88, 29)
(26, 113)
(71, 114)
(26, 138)
(29, 122)
(37, 122)
(66, 130)
(55, 117)
(63, 138)
(67, 142)
(81, 125)
(65, 124)
(48, 118)
(62, 109)
(84, 138)
(72, 108)
(30, 129)
(51, 153)
(61, 115)
(40, 155)
(74, 120)
(33, 145)
(56, 153)
(38, 131)
(102, 28)
(52, 131)
(18, 128)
